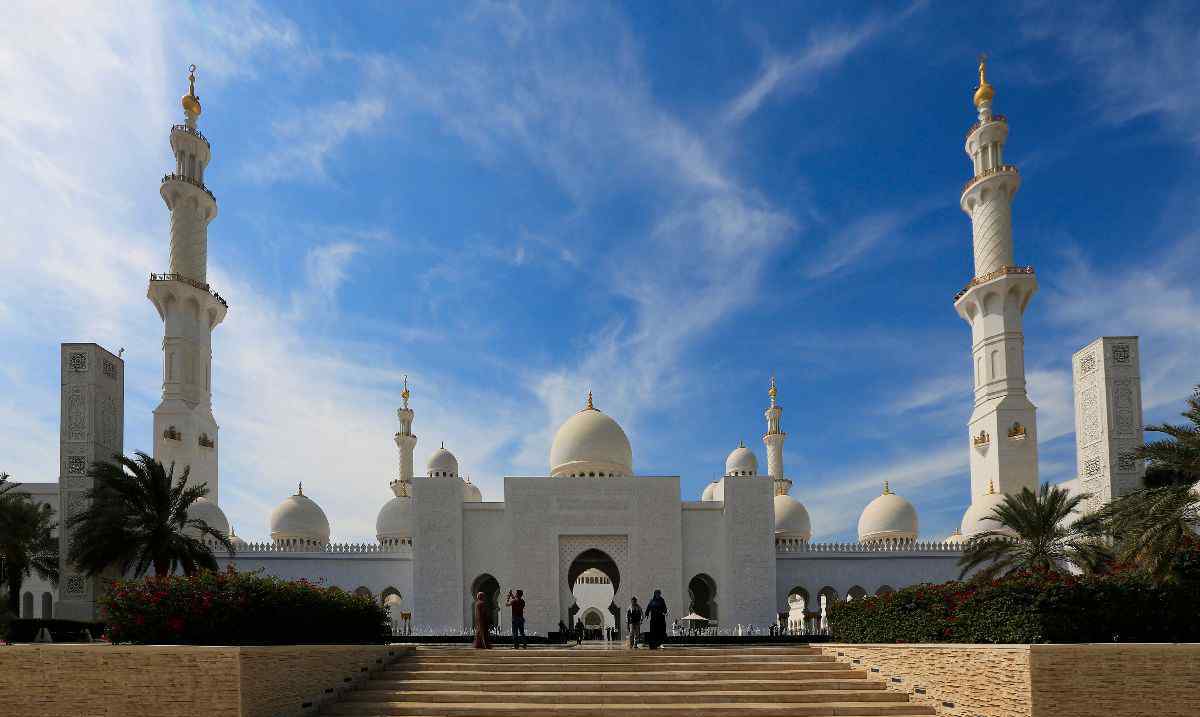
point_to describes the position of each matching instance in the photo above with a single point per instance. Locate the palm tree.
(1151, 526)
(27, 541)
(138, 518)
(1033, 533)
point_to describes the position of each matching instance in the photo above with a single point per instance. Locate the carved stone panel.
(75, 415)
(77, 361)
(1124, 408)
(1090, 415)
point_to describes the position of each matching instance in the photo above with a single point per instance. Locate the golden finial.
(404, 394)
(886, 490)
(773, 391)
(191, 103)
(984, 93)
(300, 488)
(590, 407)
(991, 488)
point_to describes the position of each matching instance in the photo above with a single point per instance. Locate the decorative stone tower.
(406, 442)
(773, 439)
(185, 432)
(1002, 429)
(1108, 418)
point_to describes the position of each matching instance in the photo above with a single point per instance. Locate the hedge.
(232, 608)
(1126, 606)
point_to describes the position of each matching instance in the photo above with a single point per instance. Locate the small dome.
(471, 492)
(208, 511)
(442, 464)
(975, 520)
(710, 491)
(299, 519)
(741, 462)
(590, 444)
(394, 523)
(237, 542)
(955, 538)
(888, 517)
(791, 518)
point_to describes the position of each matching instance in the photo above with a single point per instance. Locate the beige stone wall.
(179, 681)
(1038, 680)
(1115, 680)
(959, 680)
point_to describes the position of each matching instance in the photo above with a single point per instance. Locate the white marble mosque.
(592, 532)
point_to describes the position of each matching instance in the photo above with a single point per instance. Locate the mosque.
(592, 532)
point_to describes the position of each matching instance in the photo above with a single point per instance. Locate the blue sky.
(663, 203)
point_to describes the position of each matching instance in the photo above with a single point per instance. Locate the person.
(517, 603)
(633, 618)
(578, 632)
(562, 631)
(657, 610)
(483, 619)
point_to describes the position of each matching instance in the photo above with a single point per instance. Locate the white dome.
(471, 492)
(299, 519)
(791, 518)
(237, 542)
(442, 464)
(710, 491)
(741, 462)
(590, 444)
(955, 538)
(888, 517)
(973, 522)
(208, 511)
(394, 523)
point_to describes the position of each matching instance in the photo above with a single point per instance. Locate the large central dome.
(590, 445)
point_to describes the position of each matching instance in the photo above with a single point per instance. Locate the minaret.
(185, 432)
(406, 442)
(1002, 430)
(773, 440)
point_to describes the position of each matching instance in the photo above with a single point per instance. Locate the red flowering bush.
(1125, 605)
(232, 608)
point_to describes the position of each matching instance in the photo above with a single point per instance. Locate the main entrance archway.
(591, 575)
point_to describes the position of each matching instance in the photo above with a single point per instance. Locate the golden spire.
(984, 92)
(191, 103)
(300, 488)
(991, 488)
(590, 407)
(405, 394)
(773, 391)
(886, 490)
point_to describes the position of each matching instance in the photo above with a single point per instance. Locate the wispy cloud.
(304, 143)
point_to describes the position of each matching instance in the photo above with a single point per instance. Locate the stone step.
(656, 697)
(844, 681)
(612, 665)
(505, 651)
(616, 709)
(519, 657)
(833, 670)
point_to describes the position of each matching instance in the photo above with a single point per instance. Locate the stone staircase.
(583, 682)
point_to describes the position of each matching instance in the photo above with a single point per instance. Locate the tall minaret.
(1002, 430)
(773, 439)
(406, 442)
(185, 432)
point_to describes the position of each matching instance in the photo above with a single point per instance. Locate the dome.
(590, 444)
(471, 492)
(888, 517)
(299, 519)
(974, 520)
(741, 462)
(208, 511)
(791, 518)
(394, 523)
(442, 464)
(237, 542)
(955, 538)
(710, 491)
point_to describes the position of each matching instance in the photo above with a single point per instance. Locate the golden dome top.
(985, 92)
(190, 102)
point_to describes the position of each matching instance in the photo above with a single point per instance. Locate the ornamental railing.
(995, 118)
(305, 546)
(1001, 169)
(1002, 271)
(190, 282)
(192, 131)
(796, 545)
(189, 180)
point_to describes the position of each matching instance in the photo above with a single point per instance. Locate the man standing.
(517, 603)
(633, 618)
(578, 631)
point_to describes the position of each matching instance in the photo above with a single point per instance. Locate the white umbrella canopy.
(693, 617)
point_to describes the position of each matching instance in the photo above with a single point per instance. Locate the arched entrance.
(702, 594)
(490, 587)
(600, 577)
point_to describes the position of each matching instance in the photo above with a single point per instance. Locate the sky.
(665, 203)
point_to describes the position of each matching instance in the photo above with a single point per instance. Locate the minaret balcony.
(194, 182)
(977, 125)
(192, 131)
(1003, 169)
(191, 282)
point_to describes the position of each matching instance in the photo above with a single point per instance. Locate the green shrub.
(1124, 606)
(232, 608)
